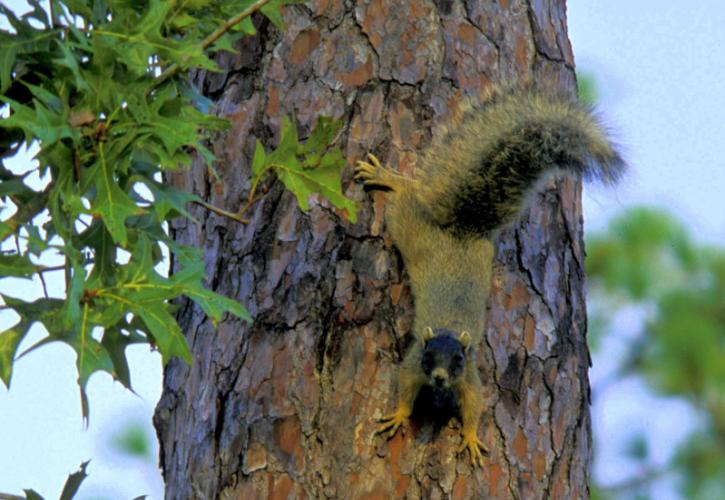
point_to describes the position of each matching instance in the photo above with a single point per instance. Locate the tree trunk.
(287, 407)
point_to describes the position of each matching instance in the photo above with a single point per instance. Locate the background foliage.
(647, 259)
(101, 88)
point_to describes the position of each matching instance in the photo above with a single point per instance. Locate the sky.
(659, 70)
(658, 66)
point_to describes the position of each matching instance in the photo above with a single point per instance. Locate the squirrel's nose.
(439, 380)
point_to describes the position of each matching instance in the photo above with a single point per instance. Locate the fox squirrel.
(472, 179)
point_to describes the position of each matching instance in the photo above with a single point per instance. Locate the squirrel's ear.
(465, 339)
(427, 334)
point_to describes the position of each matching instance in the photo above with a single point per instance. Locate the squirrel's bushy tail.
(476, 174)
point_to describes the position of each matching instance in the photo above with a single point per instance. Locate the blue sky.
(659, 70)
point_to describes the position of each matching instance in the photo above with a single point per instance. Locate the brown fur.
(474, 178)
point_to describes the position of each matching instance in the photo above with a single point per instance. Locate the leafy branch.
(648, 259)
(217, 34)
(101, 89)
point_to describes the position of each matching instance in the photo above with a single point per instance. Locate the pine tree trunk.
(287, 407)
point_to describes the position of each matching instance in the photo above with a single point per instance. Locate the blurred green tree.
(647, 258)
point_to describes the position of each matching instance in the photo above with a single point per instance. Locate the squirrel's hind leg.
(373, 175)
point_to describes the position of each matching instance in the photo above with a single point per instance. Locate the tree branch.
(220, 211)
(216, 35)
(8, 496)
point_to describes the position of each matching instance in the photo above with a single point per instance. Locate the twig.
(251, 200)
(222, 212)
(217, 34)
(174, 68)
(45, 287)
(48, 269)
(8, 496)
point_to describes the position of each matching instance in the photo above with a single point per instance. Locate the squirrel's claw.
(365, 171)
(475, 447)
(374, 175)
(391, 424)
(374, 160)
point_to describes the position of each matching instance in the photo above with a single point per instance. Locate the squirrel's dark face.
(444, 357)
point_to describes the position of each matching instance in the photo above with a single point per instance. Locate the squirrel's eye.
(457, 360)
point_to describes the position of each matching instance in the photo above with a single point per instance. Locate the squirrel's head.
(444, 356)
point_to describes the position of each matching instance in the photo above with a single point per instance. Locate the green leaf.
(154, 18)
(166, 332)
(11, 17)
(16, 265)
(215, 305)
(74, 482)
(224, 43)
(69, 61)
(133, 441)
(287, 147)
(259, 161)
(170, 202)
(92, 356)
(63, 189)
(32, 495)
(322, 136)
(183, 20)
(99, 239)
(112, 203)
(307, 169)
(324, 179)
(44, 310)
(36, 243)
(9, 341)
(38, 122)
(71, 308)
(247, 26)
(7, 61)
(14, 187)
(272, 12)
(86, 92)
(115, 343)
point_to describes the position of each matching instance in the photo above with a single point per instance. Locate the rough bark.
(287, 407)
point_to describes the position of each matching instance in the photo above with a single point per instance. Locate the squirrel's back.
(450, 276)
(472, 179)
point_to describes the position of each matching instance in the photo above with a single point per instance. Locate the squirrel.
(472, 180)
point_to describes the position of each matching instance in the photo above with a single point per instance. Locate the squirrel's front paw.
(374, 175)
(475, 448)
(368, 172)
(391, 423)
